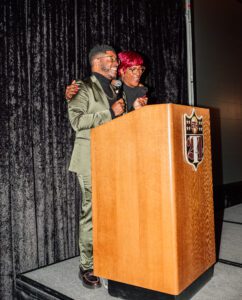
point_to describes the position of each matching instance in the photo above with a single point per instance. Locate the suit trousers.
(85, 224)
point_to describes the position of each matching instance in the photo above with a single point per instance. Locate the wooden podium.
(153, 220)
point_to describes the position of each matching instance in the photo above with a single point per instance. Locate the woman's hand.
(139, 102)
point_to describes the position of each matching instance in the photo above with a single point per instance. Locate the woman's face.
(131, 76)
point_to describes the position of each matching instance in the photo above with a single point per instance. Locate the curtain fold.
(44, 45)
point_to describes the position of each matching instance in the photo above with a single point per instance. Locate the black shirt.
(106, 86)
(132, 93)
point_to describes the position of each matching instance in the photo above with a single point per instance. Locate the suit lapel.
(98, 91)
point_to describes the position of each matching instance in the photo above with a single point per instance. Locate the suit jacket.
(89, 108)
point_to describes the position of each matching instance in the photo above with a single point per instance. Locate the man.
(94, 104)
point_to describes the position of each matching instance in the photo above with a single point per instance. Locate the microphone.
(118, 88)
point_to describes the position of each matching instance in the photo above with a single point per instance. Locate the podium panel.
(153, 220)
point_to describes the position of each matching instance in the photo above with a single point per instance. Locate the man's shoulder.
(83, 81)
(86, 82)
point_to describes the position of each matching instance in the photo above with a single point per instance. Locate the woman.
(130, 71)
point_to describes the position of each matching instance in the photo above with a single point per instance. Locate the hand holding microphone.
(118, 107)
(118, 88)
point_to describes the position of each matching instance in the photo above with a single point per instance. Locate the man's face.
(108, 64)
(131, 76)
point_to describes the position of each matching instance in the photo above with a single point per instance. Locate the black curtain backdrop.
(44, 45)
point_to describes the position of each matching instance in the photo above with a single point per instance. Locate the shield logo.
(194, 142)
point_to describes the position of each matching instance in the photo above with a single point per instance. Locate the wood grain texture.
(152, 213)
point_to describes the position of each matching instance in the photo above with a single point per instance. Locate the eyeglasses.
(137, 69)
(112, 58)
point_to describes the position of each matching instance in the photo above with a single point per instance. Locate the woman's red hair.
(129, 59)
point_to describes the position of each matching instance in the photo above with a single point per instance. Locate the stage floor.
(60, 280)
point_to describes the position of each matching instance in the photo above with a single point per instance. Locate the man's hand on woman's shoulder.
(71, 90)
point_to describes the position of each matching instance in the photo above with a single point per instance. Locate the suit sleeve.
(78, 112)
